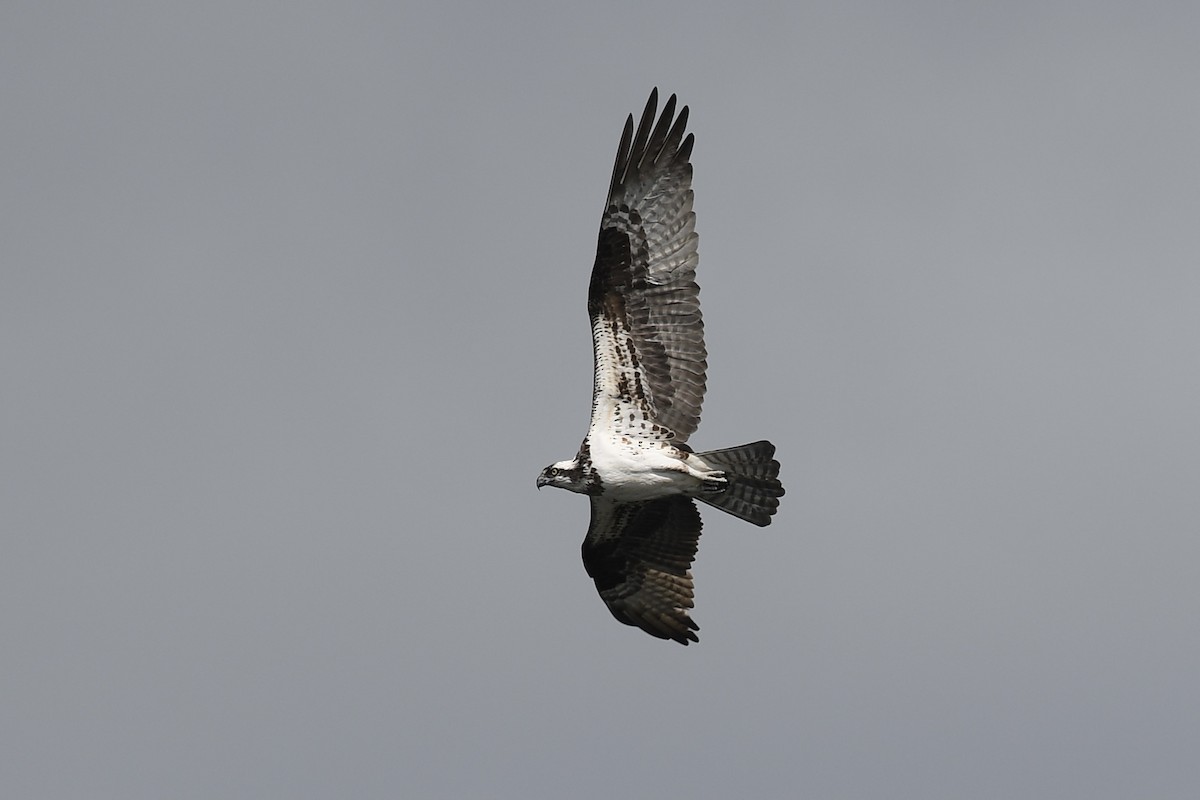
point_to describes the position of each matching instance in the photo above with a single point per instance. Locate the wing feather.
(640, 556)
(643, 298)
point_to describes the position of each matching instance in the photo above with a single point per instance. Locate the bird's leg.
(711, 480)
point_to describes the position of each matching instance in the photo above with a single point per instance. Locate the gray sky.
(292, 313)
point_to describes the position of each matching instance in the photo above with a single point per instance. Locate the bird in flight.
(648, 339)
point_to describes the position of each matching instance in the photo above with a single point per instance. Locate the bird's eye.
(554, 472)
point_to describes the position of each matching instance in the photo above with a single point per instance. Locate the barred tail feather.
(753, 488)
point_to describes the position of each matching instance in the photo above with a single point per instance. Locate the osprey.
(648, 341)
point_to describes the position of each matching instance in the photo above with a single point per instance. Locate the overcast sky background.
(292, 314)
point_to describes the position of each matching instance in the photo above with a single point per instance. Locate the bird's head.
(565, 475)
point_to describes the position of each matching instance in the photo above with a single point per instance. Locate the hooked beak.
(541, 481)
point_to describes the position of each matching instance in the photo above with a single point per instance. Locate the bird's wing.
(643, 299)
(640, 555)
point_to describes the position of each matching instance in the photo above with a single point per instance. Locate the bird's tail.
(753, 489)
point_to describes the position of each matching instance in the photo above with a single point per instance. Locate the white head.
(567, 475)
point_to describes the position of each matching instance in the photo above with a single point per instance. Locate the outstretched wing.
(639, 555)
(643, 299)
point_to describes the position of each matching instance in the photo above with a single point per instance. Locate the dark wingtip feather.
(685, 149)
(622, 159)
(670, 143)
(661, 136)
(638, 150)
